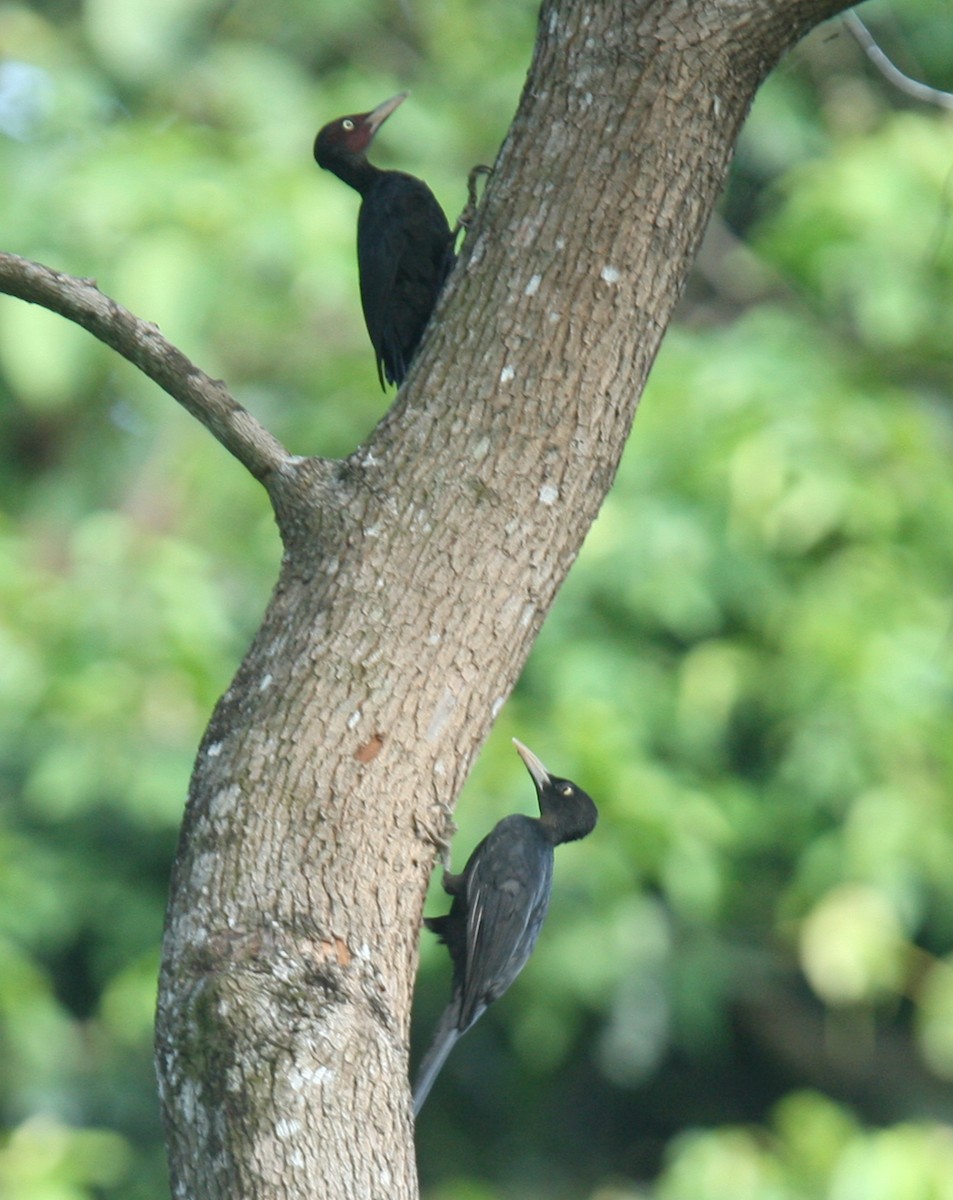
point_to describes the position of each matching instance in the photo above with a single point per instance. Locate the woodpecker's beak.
(376, 117)
(541, 776)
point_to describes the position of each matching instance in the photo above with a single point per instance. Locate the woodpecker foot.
(466, 218)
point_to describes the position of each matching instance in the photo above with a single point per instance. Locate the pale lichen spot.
(548, 494)
(533, 286)
(610, 274)
(497, 706)
(266, 682)
(223, 801)
(439, 768)
(354, 718)
(234, 1078)
(507, 374)
(445, 706)
(189, 1100)
(204, 867)
(214, 750)
(286, 1129)
(284, 968)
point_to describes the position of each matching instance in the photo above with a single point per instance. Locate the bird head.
(350, 136)
(565, 809)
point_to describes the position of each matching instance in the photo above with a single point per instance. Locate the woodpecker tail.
(443, 1042)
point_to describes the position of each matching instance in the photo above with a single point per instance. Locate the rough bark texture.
(415, 578)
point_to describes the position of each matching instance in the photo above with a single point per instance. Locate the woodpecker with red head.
(499, 902)
(404, 243)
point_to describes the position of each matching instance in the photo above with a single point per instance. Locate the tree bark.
(416, 575)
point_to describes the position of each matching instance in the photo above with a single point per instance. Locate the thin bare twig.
(892, 73)
(208, 400)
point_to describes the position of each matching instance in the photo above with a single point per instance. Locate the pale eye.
(347, 124)
(566, 790)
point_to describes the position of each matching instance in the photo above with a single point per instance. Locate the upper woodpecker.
(404, 243)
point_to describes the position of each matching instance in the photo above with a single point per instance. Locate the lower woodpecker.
(499, 903)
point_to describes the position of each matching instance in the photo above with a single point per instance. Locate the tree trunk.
(416, 575)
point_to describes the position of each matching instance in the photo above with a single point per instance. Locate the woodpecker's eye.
(347, 124)
(565, 789)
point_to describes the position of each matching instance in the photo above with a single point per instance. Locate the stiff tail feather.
(444, 1040)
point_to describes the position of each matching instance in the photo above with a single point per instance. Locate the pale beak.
(541, 776)
(377, 116)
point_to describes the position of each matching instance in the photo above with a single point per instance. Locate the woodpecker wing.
(509, 880)
(405, 252)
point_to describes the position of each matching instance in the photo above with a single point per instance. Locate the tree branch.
(208, 400)
(893, 74)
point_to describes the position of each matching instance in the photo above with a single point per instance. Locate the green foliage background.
(745, 988)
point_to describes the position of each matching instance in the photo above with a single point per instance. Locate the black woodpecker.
(499, 902)
(404, 244)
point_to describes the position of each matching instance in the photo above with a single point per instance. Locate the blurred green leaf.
(935, 1017)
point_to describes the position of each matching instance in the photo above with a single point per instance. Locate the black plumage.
(499, 903)
(404, 243)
